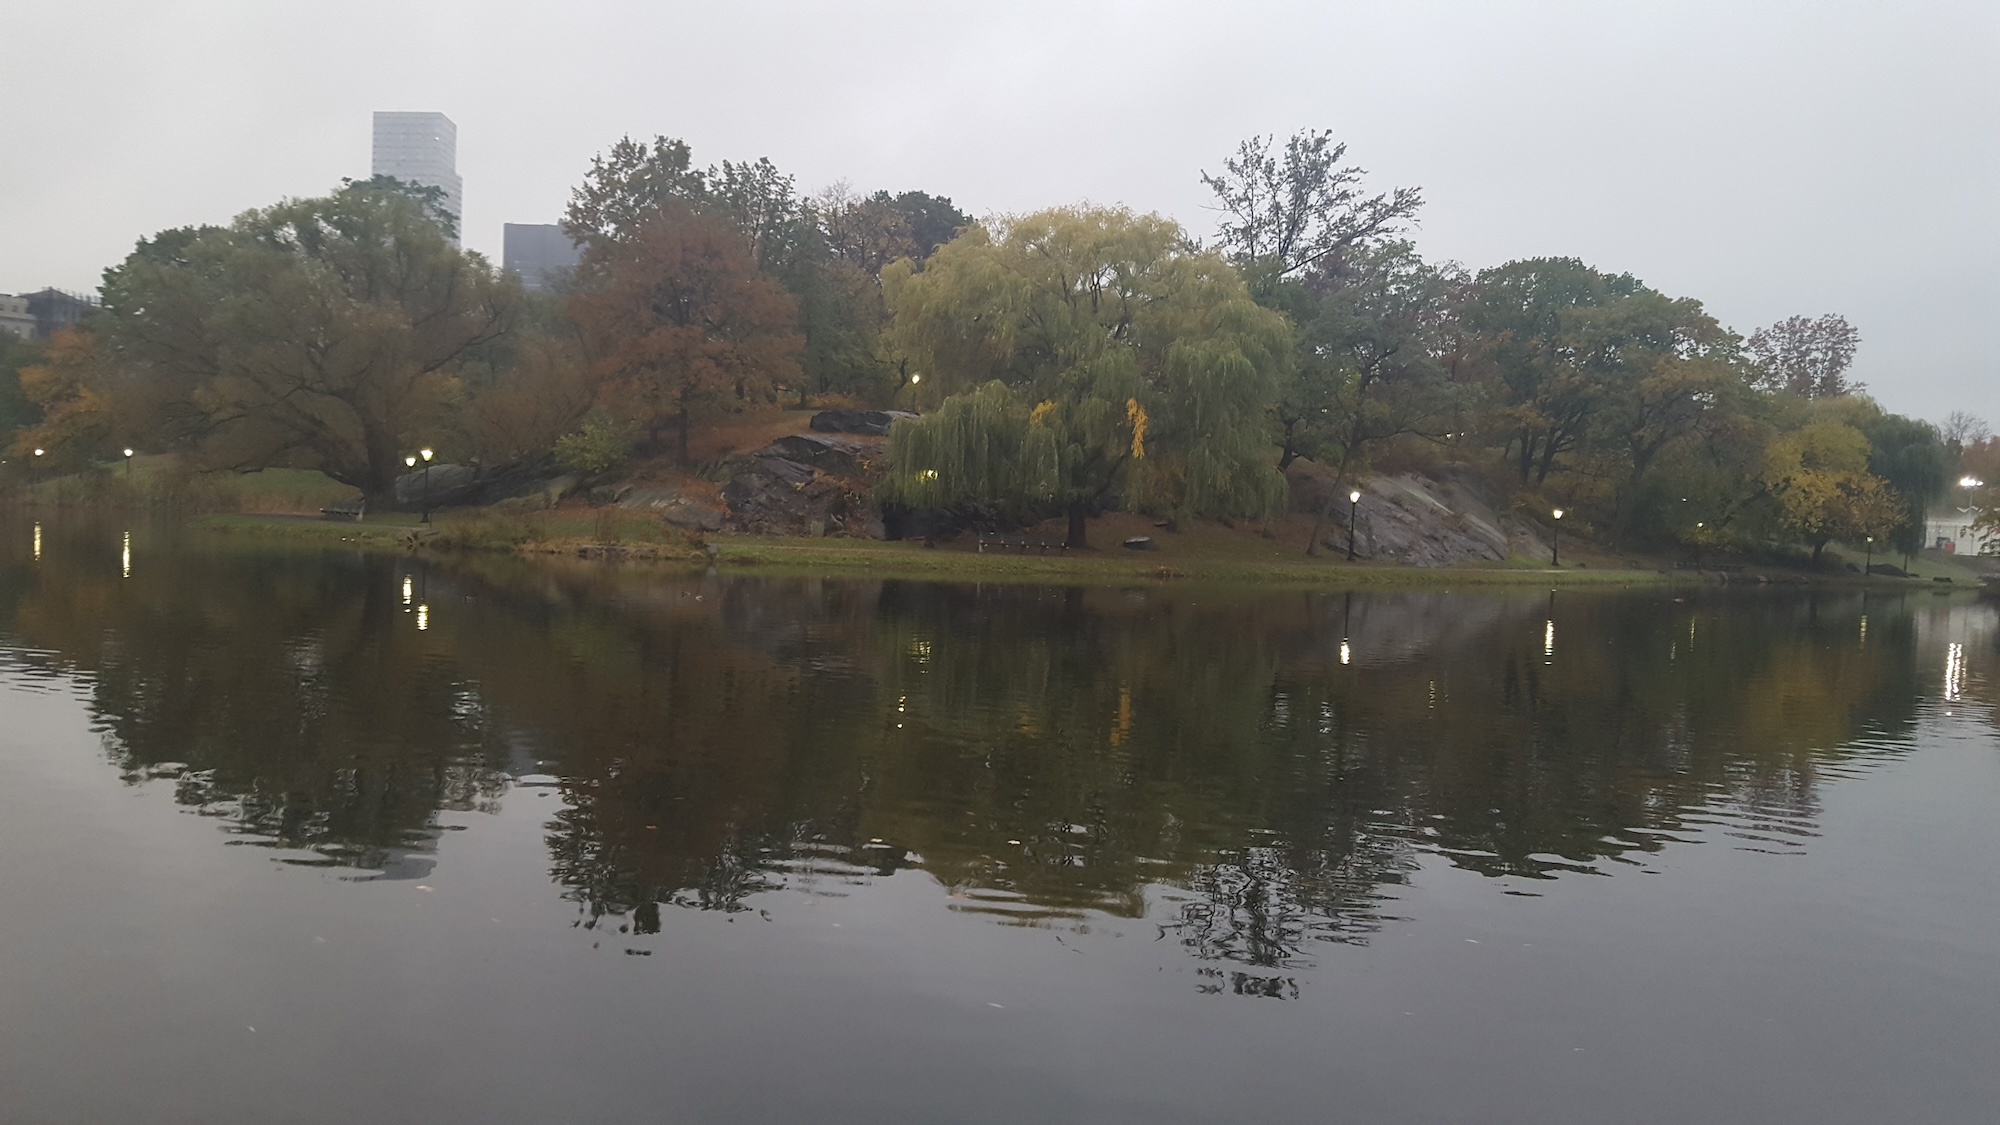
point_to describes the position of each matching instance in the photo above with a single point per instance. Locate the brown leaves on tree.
(678, 320)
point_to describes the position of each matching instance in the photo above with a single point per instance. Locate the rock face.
(806, 484)
(449, 484)
(1419, 521)
(875, 422)
(690, 513)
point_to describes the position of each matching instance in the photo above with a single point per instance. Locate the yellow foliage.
(1039, 416)
(1136, 414)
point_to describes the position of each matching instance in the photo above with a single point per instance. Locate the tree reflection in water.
(1254, 774)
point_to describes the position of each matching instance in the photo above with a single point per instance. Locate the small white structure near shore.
(1951, 531)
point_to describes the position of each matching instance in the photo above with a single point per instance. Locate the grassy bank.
(600, 533)
(1209, 554)
(746, 554)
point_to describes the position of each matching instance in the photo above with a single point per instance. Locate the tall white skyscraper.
(421, 148)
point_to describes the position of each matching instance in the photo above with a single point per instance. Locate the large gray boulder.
(874, 422)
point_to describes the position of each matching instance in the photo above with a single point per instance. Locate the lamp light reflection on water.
(38, 542)
(1549, 638)
(423, 618)
(408, 590)
(1954, 672)
(1864, 628)
(1346, 654)
(125, 557)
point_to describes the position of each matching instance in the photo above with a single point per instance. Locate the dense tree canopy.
(322, 333)
(1129, 368)
(677, 316)
(1068, 361)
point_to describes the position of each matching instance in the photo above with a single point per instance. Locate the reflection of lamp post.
(426, 453)
(1353, 506)
(1556, 540)
(128, 462)
(1868, 567)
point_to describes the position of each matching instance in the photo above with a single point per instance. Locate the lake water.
(307, 836)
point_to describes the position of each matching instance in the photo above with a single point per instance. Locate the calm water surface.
(300, 836)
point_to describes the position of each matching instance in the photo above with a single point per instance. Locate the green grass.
(1115, 565)
(398, 531)
(163, 482)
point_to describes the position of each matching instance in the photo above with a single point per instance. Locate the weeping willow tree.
(1081, 355)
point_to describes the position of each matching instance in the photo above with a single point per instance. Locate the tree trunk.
(1078, 527)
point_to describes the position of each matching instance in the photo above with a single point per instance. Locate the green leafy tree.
(932, 220)
(1132, 366)
(1531, 346)
(1371, 366)
(1909, 455)
(320, 333)
(1806, 356)
(1288, 212)
(627, 185)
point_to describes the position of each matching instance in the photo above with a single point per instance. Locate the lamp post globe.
(1868, 567)
(128, 460)
(1555, 539)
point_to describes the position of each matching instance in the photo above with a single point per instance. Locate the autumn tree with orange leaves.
(678, 320)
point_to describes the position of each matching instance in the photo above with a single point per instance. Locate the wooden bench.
(345, 510)
(1003, 542)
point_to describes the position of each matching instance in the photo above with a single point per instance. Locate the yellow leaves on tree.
(78, 418)
(1819, 475)
(1136, 415)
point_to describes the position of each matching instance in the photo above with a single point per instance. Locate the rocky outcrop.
(443, 485)
(1421, 521)
(805, 484)
(676, 507)
(873, 422)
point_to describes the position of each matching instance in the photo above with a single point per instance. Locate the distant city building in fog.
(421, 148)
(538, 253)
(15, 317)
(43, 313)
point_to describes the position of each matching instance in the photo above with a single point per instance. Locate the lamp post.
(1556, 540)
(35, 468)
(426, 454)
(128, 462)
(410, 462)
(1353, 506)
(1868, 567)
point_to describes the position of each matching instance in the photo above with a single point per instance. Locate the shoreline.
(743, 554)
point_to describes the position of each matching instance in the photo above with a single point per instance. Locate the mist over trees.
(1071, 361)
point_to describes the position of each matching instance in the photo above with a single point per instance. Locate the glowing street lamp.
(1353, 506)
(1555, 539)
(1868, 567)
(35, 467)
(128, 461)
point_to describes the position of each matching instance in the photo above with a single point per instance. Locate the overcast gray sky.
(1766, 158)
